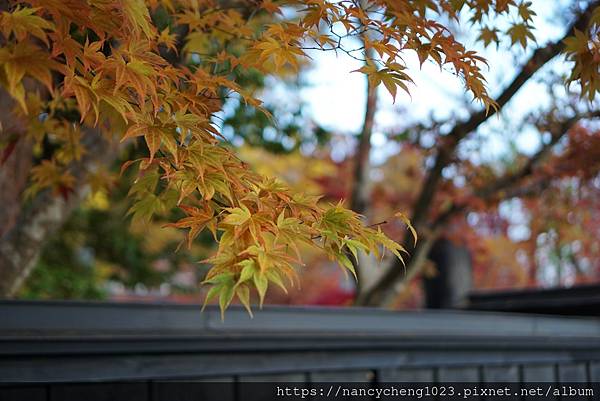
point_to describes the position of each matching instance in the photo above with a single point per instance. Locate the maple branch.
(383, 290)
(359, 195)
(21, 245)
(377, 224)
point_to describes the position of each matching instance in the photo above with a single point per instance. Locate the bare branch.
(508, 186)
(447, 148)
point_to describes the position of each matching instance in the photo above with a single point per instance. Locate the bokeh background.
(545, 235)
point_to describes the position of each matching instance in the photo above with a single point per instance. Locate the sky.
(335, 96)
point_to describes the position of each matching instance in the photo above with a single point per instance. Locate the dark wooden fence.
(87, 351)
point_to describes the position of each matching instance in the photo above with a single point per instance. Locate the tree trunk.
(25, 228)
(359, 197)
(21, 246)
(360, 192)
(15, 163)
(452, 283)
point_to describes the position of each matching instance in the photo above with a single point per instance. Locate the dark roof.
(581, 300)
(56, 342)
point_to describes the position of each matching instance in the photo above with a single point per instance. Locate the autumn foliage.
(157, 71)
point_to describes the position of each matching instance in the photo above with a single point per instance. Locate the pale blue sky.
(335, 97)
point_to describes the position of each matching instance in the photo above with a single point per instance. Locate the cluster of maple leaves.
(160, 69)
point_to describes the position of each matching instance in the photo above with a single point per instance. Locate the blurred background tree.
(526, 216)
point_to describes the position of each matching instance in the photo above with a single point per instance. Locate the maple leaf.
(169, 40)
(281, 54)
(138, 16)
(392, 77)
(22, 21)
(143, 209)
(406, 221)
(525, 11)
(86, 98)
(520, 33)
(238, 216)
(489, 35)
(270, 6)
(196, 221)
(49, 174)
(23, 59)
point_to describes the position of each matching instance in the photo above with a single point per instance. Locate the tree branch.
(508, 186)
(383, 289)
(359, 196)
(557, 131)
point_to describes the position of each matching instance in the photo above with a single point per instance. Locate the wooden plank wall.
(243, 388)
(62, 351)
